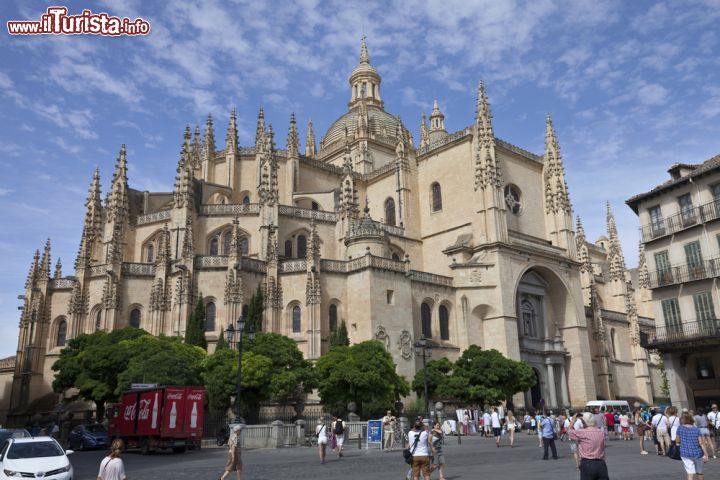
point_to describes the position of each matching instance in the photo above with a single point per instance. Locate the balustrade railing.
(230, 209)
(296, 265)
(319, 215)
(426, 277)
(62, 283)
(153, 217)
(97, 270)
(681, 332)
(138, 269)
(685, 273)
(211, 261)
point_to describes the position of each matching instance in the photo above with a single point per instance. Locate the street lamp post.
(231, 332)
(423, 348)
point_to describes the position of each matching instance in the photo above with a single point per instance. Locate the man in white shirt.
(496, 426)
(659, 423)
(487, 421)
(713, 417)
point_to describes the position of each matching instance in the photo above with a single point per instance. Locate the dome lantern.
(364, 81)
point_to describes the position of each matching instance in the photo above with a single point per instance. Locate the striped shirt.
(590, 442)
(689, 441)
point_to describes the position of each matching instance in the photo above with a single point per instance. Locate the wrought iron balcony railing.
(685, 273)
(686, 218)
(694, 332)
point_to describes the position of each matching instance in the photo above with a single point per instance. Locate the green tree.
(222, 343)
(363, 373)
(219, 373)
(437, 372)
(339, 337)
(162, 360)
(91, 363)
(255, 310)
(195, 331)
(485, 377)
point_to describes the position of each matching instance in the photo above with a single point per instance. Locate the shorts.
(322, 441)
(340, 439)
(625, 429)
(704, 431)
(421, 464)
(497, 432)
(573, 446)
(692, 465)
(439, 459)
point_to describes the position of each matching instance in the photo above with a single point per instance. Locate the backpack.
(339, 429)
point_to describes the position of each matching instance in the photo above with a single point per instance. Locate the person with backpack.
(338, 428)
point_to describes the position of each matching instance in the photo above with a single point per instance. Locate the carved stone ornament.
(382, 336)
(476, 276)
(405, 345)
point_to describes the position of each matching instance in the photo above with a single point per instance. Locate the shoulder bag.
(674, 450)
(408, 453)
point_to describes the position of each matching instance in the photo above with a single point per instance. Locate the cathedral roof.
(381, 125)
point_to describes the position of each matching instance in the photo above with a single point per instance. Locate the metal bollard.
(459, 439)
(359, 441)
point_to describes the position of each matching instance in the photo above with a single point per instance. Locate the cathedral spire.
(164, 254)
(45, 262)
(437, 119)
(196, 149)
(310, 140)
(183, 195)
(188, 247)
(209, 143)
(58, 269)
(487, 169)
(268, 185)
(118, 205)
(34, 270)
(424, 138)
(582, 249)
(260, 132)
(93, 221)
(557, 198)
(364, 56)
(293, 140)
(643, 275)
(615, 255)
(231, 138)
(364, 81)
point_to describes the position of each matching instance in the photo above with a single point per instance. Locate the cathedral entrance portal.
(535, 392)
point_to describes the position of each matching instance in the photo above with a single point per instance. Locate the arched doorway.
(535, 390)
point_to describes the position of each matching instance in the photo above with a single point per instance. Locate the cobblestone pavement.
(475, 458)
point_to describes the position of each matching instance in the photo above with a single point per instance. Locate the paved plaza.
(475, 458)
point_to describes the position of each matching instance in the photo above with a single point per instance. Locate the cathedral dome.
(381, 125)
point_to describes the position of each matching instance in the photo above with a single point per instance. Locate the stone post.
(276, 434)
(300, 429)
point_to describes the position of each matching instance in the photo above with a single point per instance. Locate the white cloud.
(5, 191)
(652, 94)
(69, 148)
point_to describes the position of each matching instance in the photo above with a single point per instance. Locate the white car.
(38, 457)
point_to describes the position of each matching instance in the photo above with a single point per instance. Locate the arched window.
(395, 256)
(135, 318)
(98, 321)
(314, 206)
(296, 319)
(301, 246)
(333, 317)
(436, 197)
(246, 200)
(444, 323)
(150, 253)
(244, 246)
(210, 317)
(227, 238)
(214, 246)
(425, 320)
(288, 248)
(390, 211)
(61, 333)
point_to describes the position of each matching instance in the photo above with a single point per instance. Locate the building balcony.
(685, 273)
(682, 220)
(692, 334)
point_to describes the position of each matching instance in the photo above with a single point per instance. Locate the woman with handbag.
(322, 438)
(420, 450)
(692, 453)
(234, 462)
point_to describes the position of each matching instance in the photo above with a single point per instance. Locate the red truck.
(159, 417)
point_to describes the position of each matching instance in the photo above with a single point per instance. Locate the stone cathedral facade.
(464, 238)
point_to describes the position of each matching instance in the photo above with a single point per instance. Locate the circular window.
(512, 199)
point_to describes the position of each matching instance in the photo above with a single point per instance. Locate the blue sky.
(632, 87)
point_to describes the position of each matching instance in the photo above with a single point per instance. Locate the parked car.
(83, 437)
(35, 457)
(6, 433)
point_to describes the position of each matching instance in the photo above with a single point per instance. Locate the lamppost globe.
(230, 332)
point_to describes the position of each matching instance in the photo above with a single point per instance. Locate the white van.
(608, 405)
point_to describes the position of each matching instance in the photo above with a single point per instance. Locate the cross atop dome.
(364, 81)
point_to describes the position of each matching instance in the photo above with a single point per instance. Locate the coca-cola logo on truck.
(129, 413)
(174, 396)
(195, 396)
(144, 409)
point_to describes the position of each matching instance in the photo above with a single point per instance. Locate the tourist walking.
(487, 423)
(714, 423)
(112, 467)
(234, 461)
(659, 423)
(388, 422)
(578, 425)
(538, 425)
(591, 448)
(610, 425)
(624, 426)
(496, 426)
(438, 458)
(548, 438)
(321, 433)
(641, 427)
(510, 425)
(420, 449)
(338, 429)
(466, 423)
(526, 423)
(693, 453)
(701, 421)
(673, 422)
